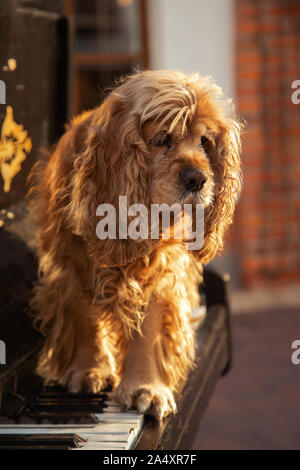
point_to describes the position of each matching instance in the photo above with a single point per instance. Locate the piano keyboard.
(58, 420)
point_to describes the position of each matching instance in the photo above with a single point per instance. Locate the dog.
(117, 312)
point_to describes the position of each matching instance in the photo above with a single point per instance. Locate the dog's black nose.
(192, 179)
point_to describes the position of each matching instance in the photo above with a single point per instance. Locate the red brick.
(267, 224)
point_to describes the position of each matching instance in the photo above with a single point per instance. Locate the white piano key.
(112, 403)
(112, 406)
(132, 439)
(104, 446)
(102, 428)
(119, 417)
(96, 432)
(136, 424)
(112, 409)
(115, 409)
(105, 437)
(49, 426)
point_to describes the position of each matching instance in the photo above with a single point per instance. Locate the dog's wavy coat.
(117, 312)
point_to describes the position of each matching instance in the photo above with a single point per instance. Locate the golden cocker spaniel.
(117, 311)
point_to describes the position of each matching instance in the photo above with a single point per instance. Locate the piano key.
(105, 417)
(41, 441)
(50, 417)
(48, 426)
(113, 409)
(117, 417)
(105, 441)
(67, 407)
(101, 428)
(111, 404)
(104, 446)
(61, 393)
(68, 400)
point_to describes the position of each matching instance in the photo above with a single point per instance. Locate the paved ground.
(257, 405)
(266, 299)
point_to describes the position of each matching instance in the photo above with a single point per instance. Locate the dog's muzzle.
(192, 179)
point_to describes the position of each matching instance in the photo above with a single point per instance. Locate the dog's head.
(159, 137)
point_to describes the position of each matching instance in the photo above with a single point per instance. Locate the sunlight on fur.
(117, 312)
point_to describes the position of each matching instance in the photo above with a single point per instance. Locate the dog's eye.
(163, 140)
(204, 142)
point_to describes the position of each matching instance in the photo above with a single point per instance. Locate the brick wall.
(268, 217)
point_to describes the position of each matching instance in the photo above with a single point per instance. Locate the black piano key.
(70, 396)
(40, 441)
(68, 402)
(56, 391)
(33, 447)
(57, 406)
(48, 417)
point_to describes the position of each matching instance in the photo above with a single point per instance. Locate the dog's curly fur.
(118, 311)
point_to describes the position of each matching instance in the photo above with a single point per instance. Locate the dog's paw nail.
(159, 415)
(127, 403)
(143, 402)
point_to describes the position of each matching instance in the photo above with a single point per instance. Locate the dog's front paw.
(89, 380)
(153, 399)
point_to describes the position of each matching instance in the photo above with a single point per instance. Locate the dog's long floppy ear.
(112, 164)
(226, 166)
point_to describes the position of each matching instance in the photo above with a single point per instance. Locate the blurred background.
(252, 50)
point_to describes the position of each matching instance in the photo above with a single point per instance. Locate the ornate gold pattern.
(14, 145)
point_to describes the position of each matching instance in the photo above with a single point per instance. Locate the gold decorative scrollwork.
(14, 145)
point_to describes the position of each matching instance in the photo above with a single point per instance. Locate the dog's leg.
(93, 366)
(77, 352)
(146, 382)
